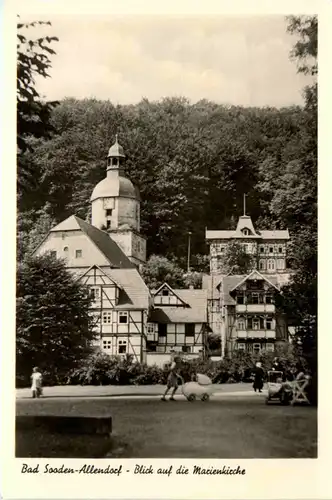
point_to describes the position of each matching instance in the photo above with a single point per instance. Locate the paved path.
(132, 391)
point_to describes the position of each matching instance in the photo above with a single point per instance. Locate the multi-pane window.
(269, 323)
(269, 299)
(240, 299)
(107, 344)
(189, 329)
(241, 325)
(123, 317)
(186, 348)
(122, 347)
(270, 347)
(262, 265)
(256, 348)
(53, 254)
(241, 346)
(271, 264)
(255, 298)
(107, 317)
(255, 323)
(261, 249)
(162, 329)
(78, 254)
(271, 249)
(280, 249)
(280, 263)
(150, 328)
(95, 293)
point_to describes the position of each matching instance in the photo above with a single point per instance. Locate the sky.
(230, 60)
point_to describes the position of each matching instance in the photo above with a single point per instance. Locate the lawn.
(143, 428)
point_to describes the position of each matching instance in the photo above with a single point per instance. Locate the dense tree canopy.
(236, 260)
(159, 270)
(53, 327)
(33, 114)
(192, 168)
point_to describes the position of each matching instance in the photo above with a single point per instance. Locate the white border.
(300, 479)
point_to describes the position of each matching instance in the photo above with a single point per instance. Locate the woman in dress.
(258, 377)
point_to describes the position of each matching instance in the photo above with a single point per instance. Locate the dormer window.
(245, 232)
(165, 292)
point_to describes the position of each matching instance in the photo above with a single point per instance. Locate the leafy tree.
(54, 329)
(193, 279)
(33, 114)
(236, 260)
(299, 196)
(159, 270)
(32, 227)
(305, 49)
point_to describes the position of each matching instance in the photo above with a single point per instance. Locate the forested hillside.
(191, 162)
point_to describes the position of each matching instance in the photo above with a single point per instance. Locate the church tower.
(115, 207)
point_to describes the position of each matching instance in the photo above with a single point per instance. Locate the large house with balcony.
(250, 321)
(241, 309)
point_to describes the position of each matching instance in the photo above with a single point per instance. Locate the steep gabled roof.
(230, 283)
(256, 275)
(245, 222)
(195, 312)
(86, 274)
(101, 240)
(175, 293)
(134, 294)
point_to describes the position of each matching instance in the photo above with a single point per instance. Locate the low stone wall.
(66, 424)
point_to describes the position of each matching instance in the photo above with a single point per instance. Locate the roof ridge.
(89, 228)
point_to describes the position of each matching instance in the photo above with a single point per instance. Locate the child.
(172, 380)
(36, 383)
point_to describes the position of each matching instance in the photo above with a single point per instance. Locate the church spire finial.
(244, 204)
(116, 138)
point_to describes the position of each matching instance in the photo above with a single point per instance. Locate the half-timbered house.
(178, 322)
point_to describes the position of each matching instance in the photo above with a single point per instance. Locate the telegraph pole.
(188, 261)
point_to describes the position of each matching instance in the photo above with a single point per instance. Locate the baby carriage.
(276, 389)
(200, 388)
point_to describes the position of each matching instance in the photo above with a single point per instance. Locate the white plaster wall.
(127, 212)
(75, 241)
(98, 212)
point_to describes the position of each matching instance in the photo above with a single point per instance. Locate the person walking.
(258, 377)
(36, 383)
(172, 380)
